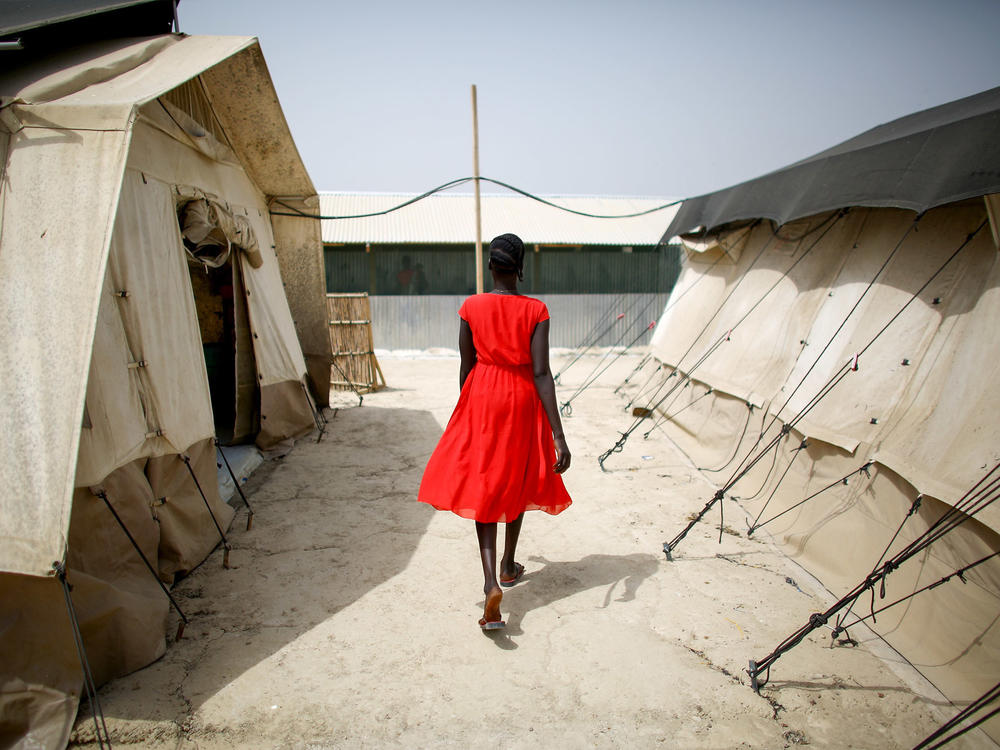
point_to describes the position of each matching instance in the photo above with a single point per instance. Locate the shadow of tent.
(333, 520)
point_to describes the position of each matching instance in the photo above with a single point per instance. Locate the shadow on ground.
(333, 520)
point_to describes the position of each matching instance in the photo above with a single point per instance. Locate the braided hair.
(507, 254)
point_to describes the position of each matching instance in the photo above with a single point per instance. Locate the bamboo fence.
(354, 364)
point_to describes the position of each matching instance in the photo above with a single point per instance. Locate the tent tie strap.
(137, 364)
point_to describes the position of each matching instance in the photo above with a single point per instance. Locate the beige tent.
(144, 311)
(878, 352)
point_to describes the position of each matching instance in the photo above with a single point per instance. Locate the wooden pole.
(479, 214)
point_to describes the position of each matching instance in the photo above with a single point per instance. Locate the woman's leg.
(508, 569)
(486, 533)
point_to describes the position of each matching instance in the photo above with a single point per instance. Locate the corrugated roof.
(451, 218)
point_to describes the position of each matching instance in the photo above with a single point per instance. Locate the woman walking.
(503, 449)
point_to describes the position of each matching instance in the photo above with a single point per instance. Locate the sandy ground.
(349, 616)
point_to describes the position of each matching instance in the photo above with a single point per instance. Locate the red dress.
(494, 460)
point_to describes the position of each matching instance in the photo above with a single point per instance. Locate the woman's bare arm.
(467, 349)
(546, 388)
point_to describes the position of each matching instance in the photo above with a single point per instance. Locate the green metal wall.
(429, 269)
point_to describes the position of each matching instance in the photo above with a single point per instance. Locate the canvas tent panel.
(945, 428)
(187, 531)
(121, 608)
(273, 329)
(50, 78)
(115, 431)
(300, 257)
(862, 403)
(174, 161)
(52, 263)
(148, 261)
(746, 346)
(107, 104)
(249, 111)
(840, 536)
(772, 311)
(39, 696)
(164, 151)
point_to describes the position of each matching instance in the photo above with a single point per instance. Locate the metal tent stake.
(237, 483)
(225, 542)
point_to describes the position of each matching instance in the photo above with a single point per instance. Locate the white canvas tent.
(106, 319)
(781, 289)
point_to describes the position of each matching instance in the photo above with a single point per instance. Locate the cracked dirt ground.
(349, 616)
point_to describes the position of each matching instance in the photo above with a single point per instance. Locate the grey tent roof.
(926, 159)
(41, 27)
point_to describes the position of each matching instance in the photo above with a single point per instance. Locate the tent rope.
(974, 501)
(851, 366)
(621, 316)
(914, 507)
(222, 535)
(767, 476)
(977, 705)
(670, 305)
(184, 620)
(619, 446)
(593, 335)
(745, 468)
(958, 573)
(795, 454)
(100, 727)
(646, 412)
(864, 469)
(736, 450)
(566, 408)
(665, 417)
(645, 361)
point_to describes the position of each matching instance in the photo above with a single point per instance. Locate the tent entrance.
(220, 299)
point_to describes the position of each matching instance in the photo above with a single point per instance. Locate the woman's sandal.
(491, 619)
(518, 572)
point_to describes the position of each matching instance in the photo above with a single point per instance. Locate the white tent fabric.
(920, 407)
(76, 126)
(120, 356)
(158, 314)
(49, 296)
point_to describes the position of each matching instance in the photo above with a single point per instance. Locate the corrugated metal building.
(418, 263)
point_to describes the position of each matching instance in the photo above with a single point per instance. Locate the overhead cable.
(292, 211)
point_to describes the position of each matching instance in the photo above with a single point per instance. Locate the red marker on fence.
(620, 316)
(650, 326)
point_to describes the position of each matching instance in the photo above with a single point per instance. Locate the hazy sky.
(617, 97)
